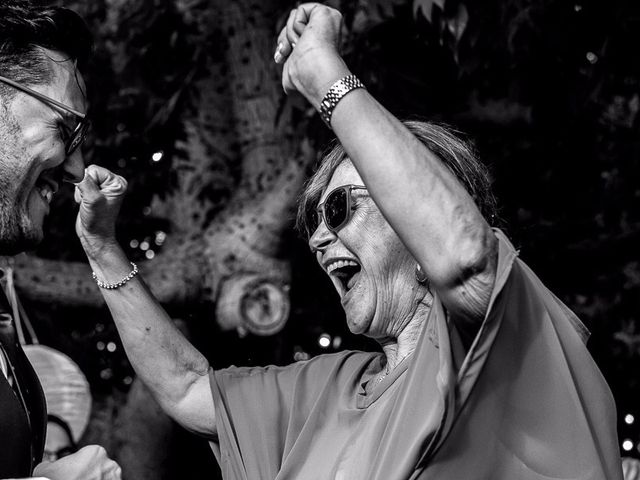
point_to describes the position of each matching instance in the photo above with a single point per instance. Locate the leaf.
(458, 24)
(427, 7)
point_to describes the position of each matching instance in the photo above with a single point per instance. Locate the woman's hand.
(88, 463)
(100, 195)
(308, 47)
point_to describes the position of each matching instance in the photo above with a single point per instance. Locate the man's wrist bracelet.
(111, 286)
(337, 91)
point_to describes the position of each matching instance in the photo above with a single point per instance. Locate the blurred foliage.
(548, 90)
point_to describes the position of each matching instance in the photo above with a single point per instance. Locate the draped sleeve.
(524, 402)
(528, 402)
(266, 416)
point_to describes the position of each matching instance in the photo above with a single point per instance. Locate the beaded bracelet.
(111, 286)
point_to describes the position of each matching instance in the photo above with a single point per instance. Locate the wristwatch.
(337, 91)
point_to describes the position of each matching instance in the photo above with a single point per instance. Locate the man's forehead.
(67, 83)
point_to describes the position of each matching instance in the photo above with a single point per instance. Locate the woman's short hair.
(457, 154)
(26, 28)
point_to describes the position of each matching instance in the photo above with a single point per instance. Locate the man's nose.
(74, 167)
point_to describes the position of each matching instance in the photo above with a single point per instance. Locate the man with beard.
(42, 124)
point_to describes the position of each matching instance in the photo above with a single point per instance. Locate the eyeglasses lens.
(77, 137)
(52, 456)
(335, 208)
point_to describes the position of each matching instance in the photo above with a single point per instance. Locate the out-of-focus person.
(68, 397)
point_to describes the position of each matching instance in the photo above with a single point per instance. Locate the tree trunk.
(234, 262)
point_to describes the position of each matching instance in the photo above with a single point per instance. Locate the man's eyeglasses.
(79, 132)
(71, 447)
(52, 456)
(336, 208)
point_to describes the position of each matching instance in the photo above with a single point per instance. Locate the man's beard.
(16, 232)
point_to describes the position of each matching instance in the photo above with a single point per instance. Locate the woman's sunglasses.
(336, 209)
(79, 133)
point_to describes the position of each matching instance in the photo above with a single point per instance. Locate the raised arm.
(174, 370)
(419, 196)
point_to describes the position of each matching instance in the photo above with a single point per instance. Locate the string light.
(300, 355)
(627, 445)
(629, 419)
(134, 243)
(149, 254)
(324, 340)
(157, 156)
(160, 237)
(111, 347)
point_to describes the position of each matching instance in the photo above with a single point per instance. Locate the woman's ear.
(421, 277)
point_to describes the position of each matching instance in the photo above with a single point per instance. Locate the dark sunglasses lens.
(312, 222)
(335, 208)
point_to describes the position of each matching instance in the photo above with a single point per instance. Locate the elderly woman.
(484, 373)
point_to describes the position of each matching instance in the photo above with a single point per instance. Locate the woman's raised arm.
(174, 370)
(420, 197)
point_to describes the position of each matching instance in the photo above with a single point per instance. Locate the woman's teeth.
(341, 264)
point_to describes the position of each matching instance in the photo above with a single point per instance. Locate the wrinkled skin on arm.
(174, 370)
(432, 213)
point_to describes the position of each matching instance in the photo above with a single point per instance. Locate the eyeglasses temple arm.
(41, 97)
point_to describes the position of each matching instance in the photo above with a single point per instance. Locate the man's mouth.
(345, 271)
(46, 188)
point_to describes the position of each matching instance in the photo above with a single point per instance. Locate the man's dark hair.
(25, 28)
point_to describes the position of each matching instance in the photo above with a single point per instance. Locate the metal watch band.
(337, 91)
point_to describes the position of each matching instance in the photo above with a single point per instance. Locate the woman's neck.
(397, 349)
(400, 345)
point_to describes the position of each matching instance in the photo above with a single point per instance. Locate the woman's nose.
(321, 238)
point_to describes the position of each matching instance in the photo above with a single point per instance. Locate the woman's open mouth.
(346, 272)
